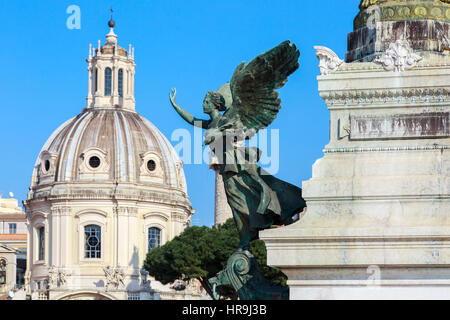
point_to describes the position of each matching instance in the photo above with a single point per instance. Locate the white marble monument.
(377, 224)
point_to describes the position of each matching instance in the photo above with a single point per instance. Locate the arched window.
(108, 79)
(120, 78)
(93, 241)
(154, 238)
(2, 271)
(95, 80)
(41, 243)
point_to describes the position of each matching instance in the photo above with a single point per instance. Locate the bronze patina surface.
(257, 199)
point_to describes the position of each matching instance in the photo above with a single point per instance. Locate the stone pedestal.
(425, 24)
(377, 224)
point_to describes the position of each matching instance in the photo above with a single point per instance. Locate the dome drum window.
(93, 165)
(151, 165)
(94, 162)
(151, 168)
(47, 163)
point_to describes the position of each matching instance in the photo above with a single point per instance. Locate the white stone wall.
(377, 223)
(124, 233)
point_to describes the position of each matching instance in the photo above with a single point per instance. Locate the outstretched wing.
(255, 101)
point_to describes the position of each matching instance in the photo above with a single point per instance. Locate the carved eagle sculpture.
(255, 103)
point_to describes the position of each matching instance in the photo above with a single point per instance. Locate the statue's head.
(213, 101)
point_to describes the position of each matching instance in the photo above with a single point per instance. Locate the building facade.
(13, 234)
(106, 188)
(8, 270)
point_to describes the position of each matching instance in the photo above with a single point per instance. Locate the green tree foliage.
(201, 252)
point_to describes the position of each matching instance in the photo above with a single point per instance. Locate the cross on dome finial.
(111, 37)
(111, 22)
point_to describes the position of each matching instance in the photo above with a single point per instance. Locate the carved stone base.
(367, 43)
(244, 276)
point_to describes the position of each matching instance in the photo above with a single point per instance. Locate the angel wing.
(255, 101)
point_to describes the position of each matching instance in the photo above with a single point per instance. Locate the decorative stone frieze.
(177, 216)
(114, 277)
(371, 97)
(400, 126)
(61, 210)
(126, 211)
(57, 277)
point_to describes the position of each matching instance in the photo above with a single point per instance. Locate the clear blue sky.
(191, 45)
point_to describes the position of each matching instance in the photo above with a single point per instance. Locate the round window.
(94, 162)
(93, 241)
(151, 165)
(47, 165)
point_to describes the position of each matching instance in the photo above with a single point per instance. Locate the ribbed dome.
(109, 145)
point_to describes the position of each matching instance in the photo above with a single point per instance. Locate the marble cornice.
(72, 191)
(439, 61)
(131, 195)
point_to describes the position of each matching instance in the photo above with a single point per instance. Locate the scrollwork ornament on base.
(328, 60)
(242, 273)
(399, 57)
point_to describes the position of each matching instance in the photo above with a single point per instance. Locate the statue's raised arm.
(189, 118)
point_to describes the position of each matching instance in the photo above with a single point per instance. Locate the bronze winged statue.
(250, 103)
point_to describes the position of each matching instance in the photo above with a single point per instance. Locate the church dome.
(109, 145)
(107, 187)
(109, 149)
